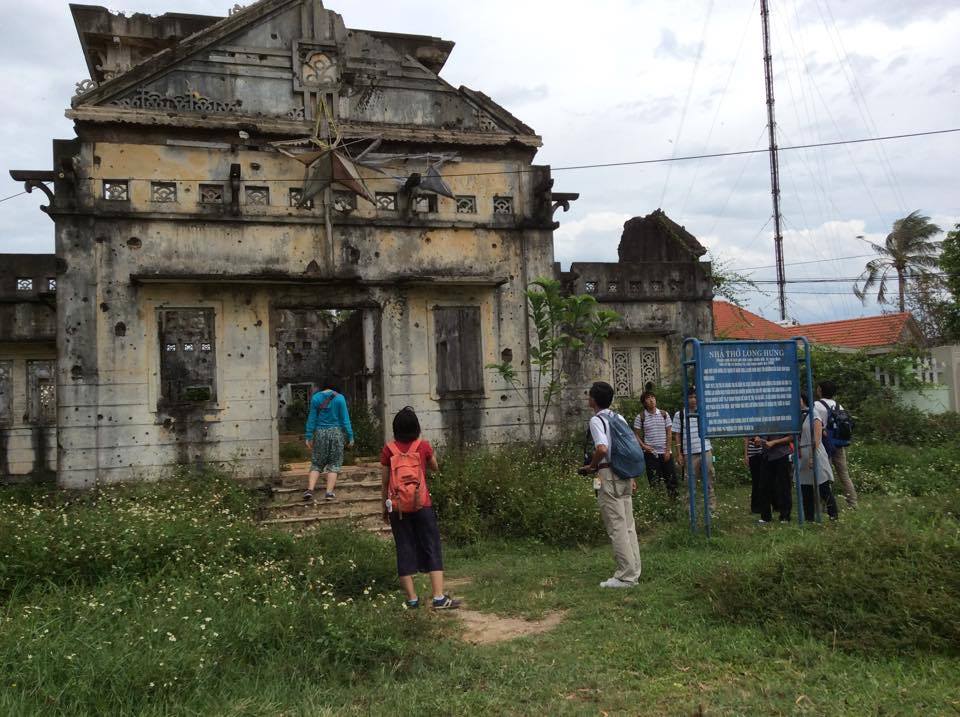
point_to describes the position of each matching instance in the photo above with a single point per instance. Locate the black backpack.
(838, 429)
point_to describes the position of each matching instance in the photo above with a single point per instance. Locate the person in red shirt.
(416, 534)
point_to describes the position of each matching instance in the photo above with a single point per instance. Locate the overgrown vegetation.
(165, 599)
(564, 325)
(516, 492)
(891, 589)
(158, 595)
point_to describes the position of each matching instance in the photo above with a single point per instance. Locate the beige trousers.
(695, 460)
(615, 499)
(839, 460)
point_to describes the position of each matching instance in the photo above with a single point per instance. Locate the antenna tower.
(774, 161)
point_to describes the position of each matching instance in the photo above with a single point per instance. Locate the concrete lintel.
(260, 279)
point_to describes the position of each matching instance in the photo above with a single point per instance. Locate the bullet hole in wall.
(104, 307)
(134, 243)
(506, 355)
(120, 329)
(76, 373)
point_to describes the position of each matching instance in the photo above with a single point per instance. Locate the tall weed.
(886, 585)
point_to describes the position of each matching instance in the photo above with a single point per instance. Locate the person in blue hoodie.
(328, 424)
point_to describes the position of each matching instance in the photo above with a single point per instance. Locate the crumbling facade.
(232, 180)
(260, 205)
(28, 353)
(662, 290)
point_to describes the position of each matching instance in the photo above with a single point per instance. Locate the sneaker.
(445, 602)
(307, 496)
(412, 604)
(330, 496)
(616, 583)
(763, 522)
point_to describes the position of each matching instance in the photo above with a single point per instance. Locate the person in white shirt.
(695, 452)
(825, 393)
(653, 428)
(614, 495)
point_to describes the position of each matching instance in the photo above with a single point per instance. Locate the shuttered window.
(459, 354)
(187, 355)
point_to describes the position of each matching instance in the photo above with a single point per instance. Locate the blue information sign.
(749, 388)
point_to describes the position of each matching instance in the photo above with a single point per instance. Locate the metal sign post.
(744, 389)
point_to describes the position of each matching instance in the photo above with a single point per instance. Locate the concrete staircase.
(358, 500)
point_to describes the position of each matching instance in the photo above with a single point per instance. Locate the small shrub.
(516, 492)
(890, 588)
(294, 452)
(367, 431)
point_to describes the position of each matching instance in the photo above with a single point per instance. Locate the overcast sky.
(617, 80)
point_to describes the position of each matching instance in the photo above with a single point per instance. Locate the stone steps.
(358, 500)
(344, 489)
(299, 525)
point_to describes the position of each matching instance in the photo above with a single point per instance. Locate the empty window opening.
(41, 393)
(187, 375)
(425, 203)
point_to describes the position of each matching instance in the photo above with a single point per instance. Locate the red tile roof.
(884, 330)
(732, 322)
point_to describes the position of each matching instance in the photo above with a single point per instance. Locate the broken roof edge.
(185, 47)
(295, 128)
(91, 20)
(498, 111)
(398, 41)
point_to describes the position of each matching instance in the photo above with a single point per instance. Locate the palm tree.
(908, 250)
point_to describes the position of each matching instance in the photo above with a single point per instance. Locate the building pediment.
(284, 61)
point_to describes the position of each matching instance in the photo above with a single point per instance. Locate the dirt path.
(481, 628)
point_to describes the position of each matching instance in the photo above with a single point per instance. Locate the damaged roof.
(199, 70)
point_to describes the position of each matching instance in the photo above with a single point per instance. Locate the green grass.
(164, 599)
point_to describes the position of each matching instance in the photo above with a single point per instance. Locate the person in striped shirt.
(654, 428)
(695, 451)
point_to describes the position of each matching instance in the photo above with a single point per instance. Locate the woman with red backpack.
(408, 510)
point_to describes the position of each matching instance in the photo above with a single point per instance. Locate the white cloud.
(591, 83)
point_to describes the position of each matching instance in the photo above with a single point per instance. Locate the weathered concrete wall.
(173, 198)
(28, 444)
(126, 260)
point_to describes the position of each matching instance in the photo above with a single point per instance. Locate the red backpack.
(407, 488)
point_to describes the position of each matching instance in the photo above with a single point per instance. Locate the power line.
(813, 261)
(825, 281)
(12, 196)
(603, 165)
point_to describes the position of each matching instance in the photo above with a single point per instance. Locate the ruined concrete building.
(663, 292)
(258, 204)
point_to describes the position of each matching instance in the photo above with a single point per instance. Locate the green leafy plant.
(564, 325)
